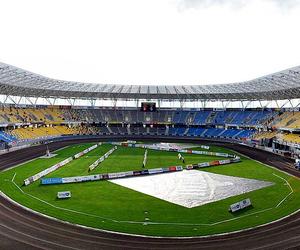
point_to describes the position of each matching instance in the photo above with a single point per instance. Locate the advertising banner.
(212, 163)
(240, 205)
(78, 179)
(48, 181)
(155, 171)
(64, 195)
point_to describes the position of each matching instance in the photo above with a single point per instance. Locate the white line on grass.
(155, 223)
(13, 178)
(22, 191)
(292, 191)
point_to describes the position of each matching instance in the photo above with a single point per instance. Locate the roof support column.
(267, 104)
(136, 103)
(49, 101)
(9, 97)
(224, 104)
(227, 104)
(71, 101)
(114, 103)
(5, 100)
(181, 102)
(93, 102)
(284, 104)
(20, 98)
(247, 104)
(28, 99)
(297, 104)
(291, 103)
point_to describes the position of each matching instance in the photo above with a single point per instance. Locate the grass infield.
(104, 205)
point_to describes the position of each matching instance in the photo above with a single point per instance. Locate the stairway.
(201, 135)
(186, 131)
(211, 117)
(108, 128)
(167, 131)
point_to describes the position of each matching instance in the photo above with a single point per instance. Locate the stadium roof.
(278, 86)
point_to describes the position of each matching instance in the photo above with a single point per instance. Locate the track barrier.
(51, 169)
(102, 158)
(145, 158)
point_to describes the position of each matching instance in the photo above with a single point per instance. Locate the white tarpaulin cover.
(191, 188)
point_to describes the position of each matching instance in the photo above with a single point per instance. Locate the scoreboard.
(148, 107)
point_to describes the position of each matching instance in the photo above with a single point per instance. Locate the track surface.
(21, 229)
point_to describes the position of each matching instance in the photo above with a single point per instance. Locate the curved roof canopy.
(278, 86)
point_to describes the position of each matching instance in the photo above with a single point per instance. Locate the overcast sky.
(151, 42)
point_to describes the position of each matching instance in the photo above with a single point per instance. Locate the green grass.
(111, 206)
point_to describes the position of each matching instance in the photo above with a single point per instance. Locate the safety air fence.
(213, 163)
(49, 170)
(110, 176)
(186, 151)
(102, 158)
(145, 158)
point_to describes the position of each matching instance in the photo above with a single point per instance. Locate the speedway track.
(21, 229)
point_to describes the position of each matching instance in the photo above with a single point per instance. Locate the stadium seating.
(52, 121)
(2, 145)
(7, 137)
(177, 131)
(288, 137)
(55, 115)
(41, 132)
(201, 117)
(212, 132)
(264, 135)
(245, 134)
(230, 133)
(287, 120)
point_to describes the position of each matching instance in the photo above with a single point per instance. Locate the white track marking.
(25, 162)
(35, 238)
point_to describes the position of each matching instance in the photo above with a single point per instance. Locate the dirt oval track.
(21, 229)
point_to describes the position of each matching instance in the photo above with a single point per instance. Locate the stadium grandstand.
(263, 112)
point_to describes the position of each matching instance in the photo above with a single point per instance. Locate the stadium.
(138, 124)
(140, 173)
